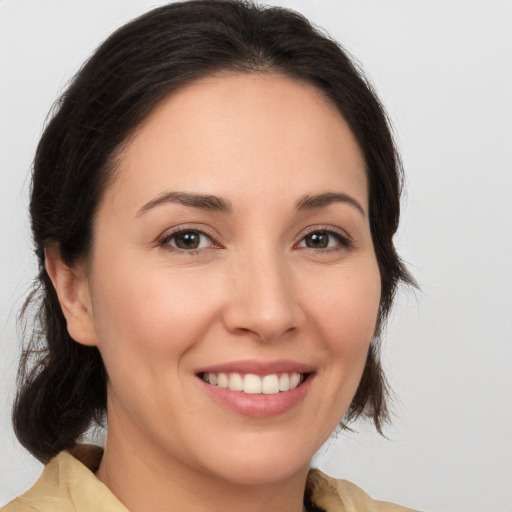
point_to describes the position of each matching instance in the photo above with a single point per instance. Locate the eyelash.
(165, 239)
(344, 241)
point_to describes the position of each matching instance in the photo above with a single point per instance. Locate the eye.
(187, 240)
(324, 240)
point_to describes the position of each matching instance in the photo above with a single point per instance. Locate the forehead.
(225, 132)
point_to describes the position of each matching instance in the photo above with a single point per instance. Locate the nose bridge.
(263, 299)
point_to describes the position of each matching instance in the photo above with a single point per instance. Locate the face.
(233, 288)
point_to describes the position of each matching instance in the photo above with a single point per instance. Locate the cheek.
(152, 315)
(346, 310)
(343, 313)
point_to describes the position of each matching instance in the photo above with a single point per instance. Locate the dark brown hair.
(62, 384)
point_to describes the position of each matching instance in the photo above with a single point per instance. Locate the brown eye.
(324, 240)
(188, 240)
(318, 240)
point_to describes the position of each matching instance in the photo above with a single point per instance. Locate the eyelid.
(164, 238)
(345, 240)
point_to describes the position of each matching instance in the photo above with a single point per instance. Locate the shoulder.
(332, 495)
(68, 484)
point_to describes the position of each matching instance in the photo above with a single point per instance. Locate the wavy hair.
(62, 384)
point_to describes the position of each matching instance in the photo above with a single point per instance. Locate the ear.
(73, 292)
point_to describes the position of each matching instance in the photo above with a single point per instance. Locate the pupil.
(189, 240)
(317, 240)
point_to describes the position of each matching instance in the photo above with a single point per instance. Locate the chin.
(260, 462)
(270, 471)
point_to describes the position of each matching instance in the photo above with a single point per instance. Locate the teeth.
(284, 382)
(294, 380)
(254, 384)
(235, 382)
(223, 380)
(270, 385)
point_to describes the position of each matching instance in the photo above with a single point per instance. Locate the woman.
(213, 207)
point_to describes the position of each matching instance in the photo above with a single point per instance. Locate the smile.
(258, 389)
(253, 384)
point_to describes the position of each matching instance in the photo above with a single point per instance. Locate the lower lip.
(259, 405)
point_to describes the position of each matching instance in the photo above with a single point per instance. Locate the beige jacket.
(68, 484)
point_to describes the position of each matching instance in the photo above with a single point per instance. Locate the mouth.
(253, 384)
(255, 388)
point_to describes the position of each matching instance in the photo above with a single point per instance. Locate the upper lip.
(258, 367)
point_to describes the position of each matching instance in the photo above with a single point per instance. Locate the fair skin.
(275, 275)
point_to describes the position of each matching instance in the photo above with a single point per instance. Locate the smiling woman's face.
(233, 250)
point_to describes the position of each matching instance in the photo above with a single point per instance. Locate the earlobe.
(74, 297)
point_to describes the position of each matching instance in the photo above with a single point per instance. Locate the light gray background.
(443, 69)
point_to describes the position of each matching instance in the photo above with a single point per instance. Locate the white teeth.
(254, 384)
(270, 385)
(284, 382)
(223, 380)
(294, 380)
(235, 382)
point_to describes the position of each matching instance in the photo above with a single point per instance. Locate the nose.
(262, 299)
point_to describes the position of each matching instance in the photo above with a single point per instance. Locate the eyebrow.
(203, 201)
(219, 204)
(312, 202)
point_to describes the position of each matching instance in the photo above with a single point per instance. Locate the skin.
(254, 290)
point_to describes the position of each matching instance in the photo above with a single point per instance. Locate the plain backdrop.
(443, 69)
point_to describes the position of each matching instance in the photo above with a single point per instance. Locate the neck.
(147, 479)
